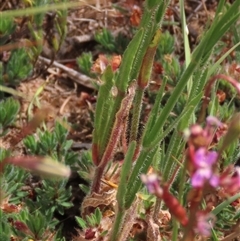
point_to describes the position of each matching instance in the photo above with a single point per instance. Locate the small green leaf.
(81, 222)
(106, 39)
(85, 62)
(84, 188)
(18, 66)
(66, 204)
(91, 220)
(98, 216)
(8, 109)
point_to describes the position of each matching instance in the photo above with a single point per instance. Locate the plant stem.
(194, 207)
(97, 179)
(119, 217)
(175, 230)
(156, 210)
(136, 114)
(182, 181)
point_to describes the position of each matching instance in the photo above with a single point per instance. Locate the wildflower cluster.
(116, 207)
(202, 162)
(202, 166)
(162, 192)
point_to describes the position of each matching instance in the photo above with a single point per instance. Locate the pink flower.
(204, 158)
(198, 136)
(203, 174)
(213, 121)
(152, 183)
(203, 162)
(205, 222)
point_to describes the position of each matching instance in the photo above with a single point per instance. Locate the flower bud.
(41, 165)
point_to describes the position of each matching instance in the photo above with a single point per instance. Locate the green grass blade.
(103, 107)
(198, 57)
(224, 204)
(217, 64)
(141, 167)
(41, 9)
(187, 50)
(126, 168)
(156, 107)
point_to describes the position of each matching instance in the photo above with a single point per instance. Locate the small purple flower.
(203, 161)
(213, 121)
(204, 158)
(205, 222)
(203, 174)
(152, 183)
(214, 180)
(199, 176)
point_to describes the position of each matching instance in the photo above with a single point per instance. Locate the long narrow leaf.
(224, 56)
(196, 61)
(141, 167)
(103, 108)
(187, 50)
(224, 204)
(126, 168)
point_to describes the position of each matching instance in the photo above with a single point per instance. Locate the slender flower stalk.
(44, 166)
(208, 89)
(152, 183)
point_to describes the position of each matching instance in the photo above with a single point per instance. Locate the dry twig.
(76, 76)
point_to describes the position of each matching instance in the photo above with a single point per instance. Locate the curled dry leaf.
(164, 218)
(115, 62)
(100, 64)
(221, 95)
(135, 16)
(139, 228)
(94, 200)
(9, 207)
